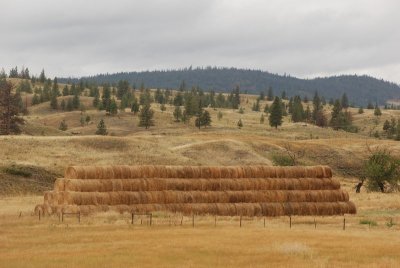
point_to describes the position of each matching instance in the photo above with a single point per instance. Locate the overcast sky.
(305, 38)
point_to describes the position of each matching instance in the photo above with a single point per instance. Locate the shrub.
(282, 160)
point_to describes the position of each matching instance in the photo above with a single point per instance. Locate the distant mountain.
(359, 89)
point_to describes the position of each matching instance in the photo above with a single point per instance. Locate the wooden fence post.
(39, 215)
(344, 223)
(62, 216)
(240, 221)
(193, 220)
(290, 221)
(264, 222)
(182, 220)
(151, 218)
(79, 219)
(315, 224)
(215, 221)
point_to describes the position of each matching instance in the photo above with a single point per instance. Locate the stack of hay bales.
(230, 190)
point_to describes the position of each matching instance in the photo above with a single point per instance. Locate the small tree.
(360, 110)
(63, 125)
(203, 119)
(377, 111)
(240, 124)
(101, 128)
(177, 113)
(275, 117)
(163, 108)
(82, 121)
(53, 102)
(381, 168)
(113, 107)
(135, 107)
(146, 116)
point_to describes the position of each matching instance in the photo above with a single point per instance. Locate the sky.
(306, 39)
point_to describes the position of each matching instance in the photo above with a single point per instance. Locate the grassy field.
(29, 164)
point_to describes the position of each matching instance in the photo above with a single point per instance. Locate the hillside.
(360, 89)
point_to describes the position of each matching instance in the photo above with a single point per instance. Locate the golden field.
(109, 239)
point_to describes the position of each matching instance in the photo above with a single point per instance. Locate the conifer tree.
(65, 91)
(42, 77)
(360, 110)
(377, 111)
(177, 113)
(146, 116)
(87, 119)
(275, 116)
(70, 105)
(35, 99)
(76, 102)
(135, 106)
(9, 109)
(344, 101)
(101, 128)
(113, 107)
(53, 102)
(270, 94)
(262, 119)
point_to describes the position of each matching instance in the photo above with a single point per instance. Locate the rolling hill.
(360, 89)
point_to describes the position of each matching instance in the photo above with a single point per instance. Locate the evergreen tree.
(178, 100)
(113, 107)
(360, 110)
(146, 116)
(101, 128)
(275, 116)
(177, 113)
(53, 102)
(35, 99)
(284, 95)
(42, 77)
(297, 110)
(262, 96)
(135, 106)
(236, 98)
(96, 101)
(370, 106)
(76, 103)
(266, 108)
(377, 111)
(345, 101)
(62, 105)
(106, 98)
(305, 99)
(270, 94)
(9, 109)
(122, 88)
(63, 125)
(203, 119)
(317, 107)
(256, 106)
(65, 91)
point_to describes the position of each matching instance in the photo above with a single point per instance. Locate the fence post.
(240, 221)
(182, 220)
(79, 217)
(39, 215)
(151, 218)
(193, 220)
(215, 221)
(344, 223)
(264, 222)
(290, 221)
(62, 216)
(315, 224)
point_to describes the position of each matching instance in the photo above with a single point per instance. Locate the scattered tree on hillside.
(113, 107)
(344, 101)
(275, 116)
(270, 94)
(377, 111)
(146, 116)
(177, 113)
(262, 119)
(203, 119)
(9, 109)
(360, 110)
(101, 128)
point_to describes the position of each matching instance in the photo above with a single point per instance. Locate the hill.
(360, 89)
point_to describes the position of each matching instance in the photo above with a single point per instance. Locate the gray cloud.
(304, 38)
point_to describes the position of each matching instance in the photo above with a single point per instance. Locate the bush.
(18, 171)
(282, 160)
(368, 222)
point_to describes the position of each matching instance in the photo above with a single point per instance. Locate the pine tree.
(203, 119)
(270, 94)
(344, 101)
(113, 107)
(266, 108)
(256, 106)
(101, 128)
(53, 102)
(135, 106)
(96, 101)
(317, 107)
(262, 96)
(42, 77)
(275, 116)
(35, 99)
(76, 102)
(146, 116)
(370, 106)
(297, 110)
(262, 119)
(360, 110)
(65, 91)
(377, 111)
(70, 105)
(9, 109)
(106, 98)
(177, 113)
(63, 125)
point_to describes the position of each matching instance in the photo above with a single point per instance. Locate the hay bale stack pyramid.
(199, 190)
